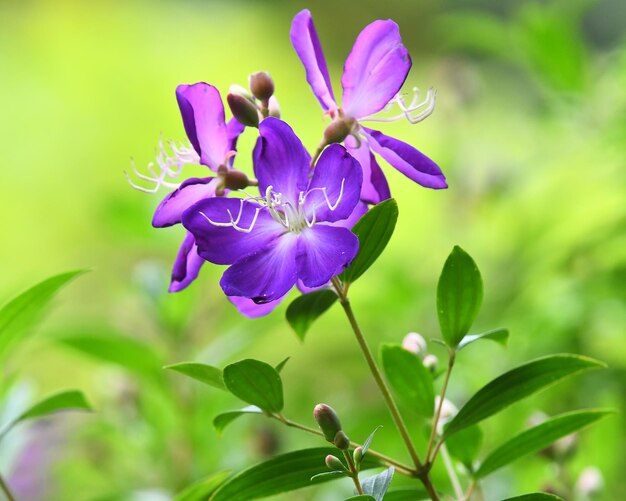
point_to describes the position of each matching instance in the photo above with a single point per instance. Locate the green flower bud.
(342, 441)
(358, 455)
(241, 91)
(334, 463)
(243, 110)
(327, 420)
(261, 85)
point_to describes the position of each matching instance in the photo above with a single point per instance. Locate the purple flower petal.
(375, 69)
(266, 275)
(203, 118)
(306, 42)
(170, 210)
(323, 252)
(413, 164)
(251, 309)
(234, 129)
(335, 187)
(225, 244)
(187, 265)
(358, 212)
(280, 160)
(375, 188)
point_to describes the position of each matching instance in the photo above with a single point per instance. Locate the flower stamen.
(234, 222)
(424, 108)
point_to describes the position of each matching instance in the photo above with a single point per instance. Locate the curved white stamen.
(331, 206)
(424, 108)
(234, 222)
(170, 166)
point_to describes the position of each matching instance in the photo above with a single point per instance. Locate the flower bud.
(339, 129)
(327, 420)
(357, 455)
(261, 85)
(273, 107)
(235, 180)
(241, 91)
(414, 343)
(430, 362)
(243, 110)
(342, 441)
(590, 482)
(334, 463)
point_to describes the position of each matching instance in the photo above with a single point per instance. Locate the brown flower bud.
(243, 110)
(261, 85)
(342, 441)
(327, 420)
(235, 180)
(339, 129)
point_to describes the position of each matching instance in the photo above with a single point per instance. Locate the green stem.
(421, 472)
(454, 479)
(5, 489)
(402, 468)
(433, 431)
(354, 474)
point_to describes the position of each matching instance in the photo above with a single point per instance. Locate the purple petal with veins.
(375, 70)
(203, 118)
(307, 45)
(170, 210)
(187, 265)
(375, 188)
(412, 163)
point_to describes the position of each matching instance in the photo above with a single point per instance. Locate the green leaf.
(406, 494)
(465, 445)
(378, 484)
(408, 377)
(126, 352)
(363, 497)
(256, 383)
(283, 473)
(500, 336)
(280, 366)
(20, 315)
(535, 496)
(368, 442)
(203, 488)
(206, 374)
(374, 230)
(221, 421)
(518, 384)
(538, 437)
(459, 296)
(62, 401)
(305, 309)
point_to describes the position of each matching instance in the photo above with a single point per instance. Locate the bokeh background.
(530, 128)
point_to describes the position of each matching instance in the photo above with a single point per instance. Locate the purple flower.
(373, 74)
(287, 235)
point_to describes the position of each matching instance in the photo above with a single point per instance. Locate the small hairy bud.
(334, 463)
(357, 455)
(243, 110)
(241, 91)
(342, 441)
(261, 85)
(235, 180)
(327, 420)
(339, 129)
(414, 343)
(430, 362)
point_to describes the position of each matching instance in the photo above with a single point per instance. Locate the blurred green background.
(530, 128)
